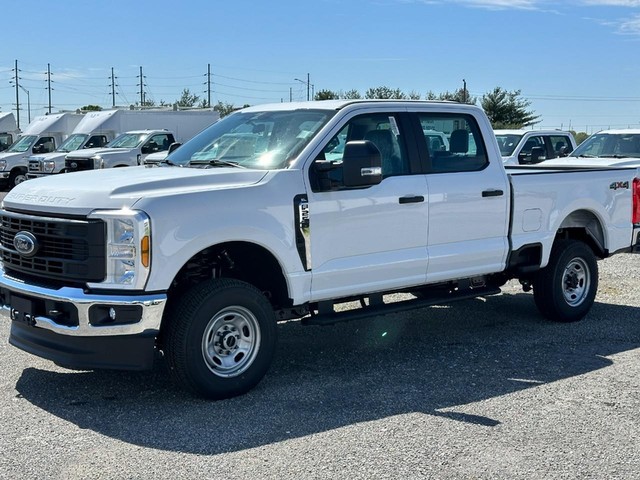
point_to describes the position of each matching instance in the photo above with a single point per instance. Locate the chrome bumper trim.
(152, 308)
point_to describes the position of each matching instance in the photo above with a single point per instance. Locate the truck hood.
(592, 162)
(80, 193)
(90, 152)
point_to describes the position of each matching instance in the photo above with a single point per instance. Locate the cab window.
(453, 142)
(381, 129)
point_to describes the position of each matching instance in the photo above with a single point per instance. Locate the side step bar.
(378, 307)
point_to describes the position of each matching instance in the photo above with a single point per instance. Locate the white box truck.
(161, 129)
(8, 130)
(42, 135)
(99, 128)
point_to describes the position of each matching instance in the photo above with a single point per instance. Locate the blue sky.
(578, 61)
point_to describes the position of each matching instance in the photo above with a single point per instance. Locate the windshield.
(508, 143)
(74, 142)
(609, 145)
(262, 140)
(127, 140)
(23, 144)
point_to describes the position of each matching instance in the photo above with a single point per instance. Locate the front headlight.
(3, 165)
(97, 162)
(128, 248)
(48, 166)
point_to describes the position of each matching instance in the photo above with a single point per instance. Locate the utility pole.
(308, 83)
(464, 91)
(209, 85)
(17, 78)
(49, 84)
(141, 89)
(113, 89)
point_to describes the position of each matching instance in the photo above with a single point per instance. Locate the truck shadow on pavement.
(425, 361)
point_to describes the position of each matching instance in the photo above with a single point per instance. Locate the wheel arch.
(586, 226)
(240, 260)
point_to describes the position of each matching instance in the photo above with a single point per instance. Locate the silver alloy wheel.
(21, 177)
(231, 341)
(576, 281)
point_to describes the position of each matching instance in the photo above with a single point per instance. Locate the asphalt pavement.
(479, 389)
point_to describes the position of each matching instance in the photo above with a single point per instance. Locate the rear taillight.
(635, 218)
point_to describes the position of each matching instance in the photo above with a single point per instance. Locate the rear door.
(468, 198)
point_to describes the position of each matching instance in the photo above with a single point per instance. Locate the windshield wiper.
(614, 156)
(216, 163)
(584, 155)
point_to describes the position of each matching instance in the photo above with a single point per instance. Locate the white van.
(99, 128)
(160, 129)
(8, 130)
(42, 135)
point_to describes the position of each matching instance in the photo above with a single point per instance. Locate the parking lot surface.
(484, 388)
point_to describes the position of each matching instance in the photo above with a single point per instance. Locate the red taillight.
(635, 218)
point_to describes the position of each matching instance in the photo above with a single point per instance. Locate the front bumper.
(81, 330)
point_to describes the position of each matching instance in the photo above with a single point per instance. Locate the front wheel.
(221, 338)
(565, 289)
(16, 177)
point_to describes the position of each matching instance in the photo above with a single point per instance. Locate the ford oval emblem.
(26, 244)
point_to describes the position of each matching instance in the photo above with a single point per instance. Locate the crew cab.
(294, 211)
(527, 147)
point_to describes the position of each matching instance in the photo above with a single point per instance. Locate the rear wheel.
(565, 289)
(221, 338)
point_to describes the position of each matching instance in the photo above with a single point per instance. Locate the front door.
(372, 238)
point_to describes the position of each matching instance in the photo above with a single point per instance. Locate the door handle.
(492, 193)
(415, 199)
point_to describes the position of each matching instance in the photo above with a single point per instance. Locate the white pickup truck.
(528, 147)
(613, 148)
(287, 211)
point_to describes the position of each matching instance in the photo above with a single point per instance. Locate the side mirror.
(145, 149)
(173, 147)
(361, 164)
(537, 155)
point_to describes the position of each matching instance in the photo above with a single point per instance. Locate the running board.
(327, 316)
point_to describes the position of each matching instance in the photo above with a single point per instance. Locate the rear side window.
(453, 142)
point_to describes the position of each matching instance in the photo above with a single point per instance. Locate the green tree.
(351, 95)
(507, 109)
(384, 93)
(91, 108)
(224, 109)
(461, 96)
(187, 99)
(580, 136)
(413, 95)
(326, 95)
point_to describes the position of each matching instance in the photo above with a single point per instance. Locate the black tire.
(16, 177)
(565, 289)
(221, 338)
